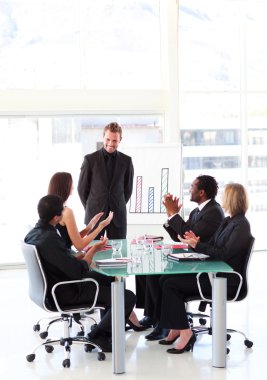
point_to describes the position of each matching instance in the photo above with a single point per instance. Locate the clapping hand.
(106, 221)
(94, 221)
(172, 204)
(100, 245)
(189, 238)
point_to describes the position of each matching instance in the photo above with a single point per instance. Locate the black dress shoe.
(188, 347)
(165, 342)
(134, 327)
(158, 333)
(146, 322)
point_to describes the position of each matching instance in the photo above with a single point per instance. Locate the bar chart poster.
(157, 171)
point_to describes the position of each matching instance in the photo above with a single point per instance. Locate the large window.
(32, 149)
(67, 68)
(63, 44)
(223, 91)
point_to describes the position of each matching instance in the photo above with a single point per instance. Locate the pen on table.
(105, 234)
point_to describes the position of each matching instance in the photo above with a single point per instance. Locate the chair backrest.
(244, 289)
(37, 280)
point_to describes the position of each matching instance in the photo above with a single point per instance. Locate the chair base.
(58, 318)
(67, 341)
(199, 330)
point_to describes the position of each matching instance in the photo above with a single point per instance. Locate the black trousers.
(140, 291)
(151, 296)
(173, 290)
(147, 290)
(104, 299)
(113, 231)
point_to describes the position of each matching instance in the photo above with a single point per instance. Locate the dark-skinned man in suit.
(203, 221)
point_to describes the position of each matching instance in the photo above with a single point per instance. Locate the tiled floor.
(147, 360)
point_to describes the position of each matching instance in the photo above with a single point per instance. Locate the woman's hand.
(100, 245)
(189, 238)
(106, 221)
(94, 221)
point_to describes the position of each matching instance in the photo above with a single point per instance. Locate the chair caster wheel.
(248, 343)
(88, 347)
(80, 333)
(36, 327)
(101, 356)
(43, 334)
(49, 349)
(202, 321)
(66, 363)
(228, 337)
(227, 351)
(30, 358)
(93, 326)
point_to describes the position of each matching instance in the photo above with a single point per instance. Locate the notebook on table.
(187, 256)
(119, 262)
(149, 237)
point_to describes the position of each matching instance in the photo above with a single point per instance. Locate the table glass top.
(153, 262)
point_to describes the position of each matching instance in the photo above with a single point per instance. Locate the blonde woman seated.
(229, 243)
(61, 184)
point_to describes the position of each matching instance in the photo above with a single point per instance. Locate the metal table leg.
(118, 326)
(219, 322)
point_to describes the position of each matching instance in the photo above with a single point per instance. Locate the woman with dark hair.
(61, 184)
(230, 244)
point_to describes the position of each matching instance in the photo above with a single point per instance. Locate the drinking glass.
(165, 251)
(136, 255)
(140, 243)
(116, 248)
(148, 246)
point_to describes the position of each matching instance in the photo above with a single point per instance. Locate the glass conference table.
(155, 264)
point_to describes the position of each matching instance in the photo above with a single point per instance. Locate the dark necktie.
(196, 212)
(110, 164)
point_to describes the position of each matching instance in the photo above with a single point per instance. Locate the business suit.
(98, 192)
(60, 265)
(203, 224)
(230, 244)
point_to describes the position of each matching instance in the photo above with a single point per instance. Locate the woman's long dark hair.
(60, 184)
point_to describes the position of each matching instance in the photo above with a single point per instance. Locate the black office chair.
(39, 295)
(241, 294)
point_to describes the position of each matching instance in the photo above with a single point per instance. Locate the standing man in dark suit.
(106, 182)
(203, 221)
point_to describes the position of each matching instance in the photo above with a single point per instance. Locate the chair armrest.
(239, 286)
(231, 300)
(62, 283)
(200, 290)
